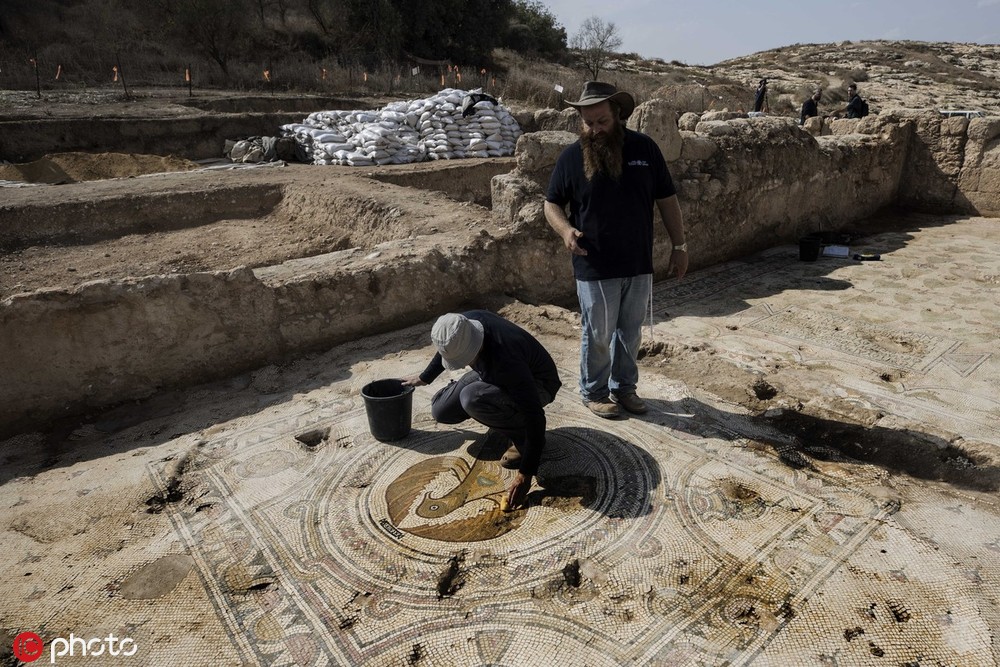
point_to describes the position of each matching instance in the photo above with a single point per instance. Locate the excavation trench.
(185, 277)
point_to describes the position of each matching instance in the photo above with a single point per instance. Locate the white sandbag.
(404, 131)
(328, 138)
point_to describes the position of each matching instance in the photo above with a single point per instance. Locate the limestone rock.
(538, 151)
(813, 126)
(567, 120)
(688, 121)
(696, 147)
(658, 120)
(714, 128)
(721, 115)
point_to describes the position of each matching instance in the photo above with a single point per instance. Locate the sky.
(705, 33)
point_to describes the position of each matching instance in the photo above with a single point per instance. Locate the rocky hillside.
(890, 74)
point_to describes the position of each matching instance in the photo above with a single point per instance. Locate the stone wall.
(67, 351)
(744, 184)
(952, 165)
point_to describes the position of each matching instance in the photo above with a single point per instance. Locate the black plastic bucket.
(809, 247)
(389, 405)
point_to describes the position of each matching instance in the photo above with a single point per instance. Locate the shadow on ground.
(799, 437)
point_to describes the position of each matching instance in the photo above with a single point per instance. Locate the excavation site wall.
(744, 184)
(194, 137)
(194, 128)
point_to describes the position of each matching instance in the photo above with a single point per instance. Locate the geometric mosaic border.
(910, 350)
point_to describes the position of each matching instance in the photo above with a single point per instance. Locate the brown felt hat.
(595, 92)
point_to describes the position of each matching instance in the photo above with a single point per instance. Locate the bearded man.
(611, 179)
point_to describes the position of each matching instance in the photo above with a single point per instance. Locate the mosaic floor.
(280, 532)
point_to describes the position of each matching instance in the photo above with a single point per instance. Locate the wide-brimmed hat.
(595, 92)
(457, 339)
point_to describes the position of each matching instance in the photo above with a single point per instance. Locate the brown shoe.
(603, 408)
(631, 402)
(511, 459)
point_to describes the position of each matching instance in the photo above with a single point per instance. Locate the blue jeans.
(612, 314)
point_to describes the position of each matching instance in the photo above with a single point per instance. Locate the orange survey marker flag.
(115, 70)
(187, 75)
(58, 71)
(267, 75)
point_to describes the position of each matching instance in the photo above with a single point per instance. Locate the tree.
(534, 30)
(220, 29)
(461, 31)
(324, 13)
(596, 42)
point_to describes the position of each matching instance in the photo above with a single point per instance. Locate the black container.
(389, 405)
(809, 247)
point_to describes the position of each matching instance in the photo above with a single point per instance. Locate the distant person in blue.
(512, 379)
(611, 179)
(810, 108)
(760, 98)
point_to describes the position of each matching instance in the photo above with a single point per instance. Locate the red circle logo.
(28, 647)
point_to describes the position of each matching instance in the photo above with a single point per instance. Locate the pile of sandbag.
(451, 124)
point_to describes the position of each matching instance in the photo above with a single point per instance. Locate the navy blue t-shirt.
(616, 218)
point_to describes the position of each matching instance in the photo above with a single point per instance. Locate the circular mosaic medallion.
(388, 510)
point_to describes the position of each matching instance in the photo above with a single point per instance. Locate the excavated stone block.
(567, 120)
(696, 147)
(688, 121)
(539, 151)
(714, 128)
(658, 120)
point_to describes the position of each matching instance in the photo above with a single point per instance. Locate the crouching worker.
(512, 378)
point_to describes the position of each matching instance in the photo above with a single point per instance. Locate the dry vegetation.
(890, 75)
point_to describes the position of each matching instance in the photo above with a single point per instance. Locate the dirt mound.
(77, 167)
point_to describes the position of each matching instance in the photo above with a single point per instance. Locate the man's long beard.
(603, 154)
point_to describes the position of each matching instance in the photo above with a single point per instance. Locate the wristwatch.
(682, 247)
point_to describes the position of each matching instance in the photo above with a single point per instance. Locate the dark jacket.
(809, 109)
(513, 360)
(855, 107)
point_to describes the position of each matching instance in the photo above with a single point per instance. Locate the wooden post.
(121, 73)
(38, 81)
